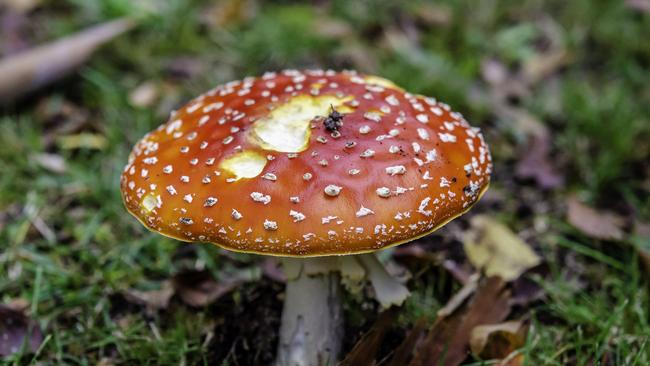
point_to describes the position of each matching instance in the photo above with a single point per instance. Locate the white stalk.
(312, 321)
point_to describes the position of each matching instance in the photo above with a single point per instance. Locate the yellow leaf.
(83, 141)
(497, 341)
(496, 250)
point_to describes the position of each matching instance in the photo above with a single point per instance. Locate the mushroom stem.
(388, 290)
(312, 321)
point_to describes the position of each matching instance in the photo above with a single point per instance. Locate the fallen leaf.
(16, 330)
(498, 341)
(403, 353)
(505, 85)
(433, 14)
(535, 163)
(144, 95)
(524, 122)
(332, 28)
(18, 304)
(542, 65)
(199, 288)
(153, 299)
(52, 162)
(365, 350)
(84, 140)
(526, 291)
(447, 340)
(34, 68)
(21, 6)
(105, 361)
(491, 247)
(225, 13)
(642, 6)
(515, 359)
(599, 224)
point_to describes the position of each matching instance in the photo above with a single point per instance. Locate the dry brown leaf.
(600, 224)
(199, 288)
(504, 85)
(434, 14)
(105, 361)
(524, 121)
(639, 5)
(225, 13)
(18, 304)
(365, 350)
(332, 28)
(15, 330)
(42, 65)
(514, 359)
(498, 341)
(535, 163)
(525, 290)
(21, 6)
(447, 341)
(403, 353)
(153, 299)
(497, 251)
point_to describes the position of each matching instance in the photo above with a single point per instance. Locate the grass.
(74, 268)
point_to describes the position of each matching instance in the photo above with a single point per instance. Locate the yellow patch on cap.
(287, 129)
(246, 164)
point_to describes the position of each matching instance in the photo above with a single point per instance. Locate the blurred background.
(560, 89)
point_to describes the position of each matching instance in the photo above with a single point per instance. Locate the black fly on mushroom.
(321, 168)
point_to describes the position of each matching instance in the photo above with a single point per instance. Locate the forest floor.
(560, 90)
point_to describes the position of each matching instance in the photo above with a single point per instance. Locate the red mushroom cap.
(306, 164)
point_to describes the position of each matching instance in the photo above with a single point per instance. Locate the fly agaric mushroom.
(310, 166)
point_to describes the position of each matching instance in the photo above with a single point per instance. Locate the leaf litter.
(17, 330)
(492, 248)
(603, 224)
